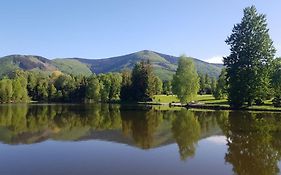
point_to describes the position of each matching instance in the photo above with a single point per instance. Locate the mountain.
(25, 62)
(164, 65)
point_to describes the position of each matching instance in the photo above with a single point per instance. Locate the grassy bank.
(209, 102)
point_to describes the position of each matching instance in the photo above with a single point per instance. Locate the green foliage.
(158, 86)
(253, 143)
(6, 90)
(110, 86)
(167, 87)
(221, 87)
(248, 64)
(116, 81)
(186, 130)
(126, 90)
(52, 91)
(185, 82)
(19, 90)
(276, 82)
(143, 82)
(213, 85)
(93, 89)
(140, 81)
(207, 84)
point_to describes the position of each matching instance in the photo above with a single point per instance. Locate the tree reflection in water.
(186, 131)
(253, 143)
(253, 139)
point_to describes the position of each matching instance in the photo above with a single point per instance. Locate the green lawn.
(209, 100)
(165, 98)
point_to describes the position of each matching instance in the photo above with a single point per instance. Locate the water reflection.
(253, 143)
(253, 140)
(186, 130)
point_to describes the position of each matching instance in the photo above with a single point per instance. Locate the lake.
(139, 140)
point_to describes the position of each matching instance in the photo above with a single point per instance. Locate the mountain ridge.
(164, 65)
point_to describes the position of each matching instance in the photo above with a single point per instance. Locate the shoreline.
(203, 106)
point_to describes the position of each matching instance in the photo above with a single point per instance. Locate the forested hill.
(164, 65)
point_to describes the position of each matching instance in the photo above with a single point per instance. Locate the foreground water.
(110, 139)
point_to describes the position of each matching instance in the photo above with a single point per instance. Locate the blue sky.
(105, 28)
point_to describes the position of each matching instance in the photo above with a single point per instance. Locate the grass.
(165, 98)
(209, 100)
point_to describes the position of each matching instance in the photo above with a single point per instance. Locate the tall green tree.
(17, 91)
(6, 90)
(276, 82)
(213, 84)
(116, 80)
(220, 91)
(105, 86)
(185, 82)
(126, 86)
(93, 89)
(248, 64)
(167, 87)
(202, 84)
(143, 81)
(52, 92)
(158, 85)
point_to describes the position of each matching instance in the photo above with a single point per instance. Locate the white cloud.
(215, 59)
(220, 140)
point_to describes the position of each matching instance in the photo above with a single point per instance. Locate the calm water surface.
(112, 139)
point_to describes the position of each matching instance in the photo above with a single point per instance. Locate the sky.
(106, 28)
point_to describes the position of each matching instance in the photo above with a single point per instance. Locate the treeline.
(140, 84)
(23, 86)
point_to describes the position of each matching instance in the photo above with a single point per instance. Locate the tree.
(185, 82)
(105, 85)
(17, 91)
(93, 89)
(208, 88)
(202, 84)
(220, 91)
(276, 82)
(42, 90)
(249, 62)
(52, 91)
(126, 86)
(158, 84)
(116, 80)
(167, 87)
(6, 90)
(110, 86)
(143, 82)
(213, 84)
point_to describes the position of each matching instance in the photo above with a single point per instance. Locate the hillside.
(164, 65)
(25, 62)
(71, 66)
